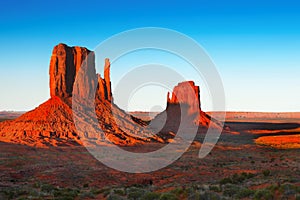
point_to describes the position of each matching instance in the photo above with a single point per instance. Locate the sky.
(255, 46)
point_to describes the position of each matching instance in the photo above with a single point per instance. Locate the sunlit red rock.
(52, 122)
(186, 93)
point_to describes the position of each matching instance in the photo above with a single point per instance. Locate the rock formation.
(72, 72)
(52, 122)
(181, 94)
(64, 65)
(104, 84)
(183, 106)
(107, 79)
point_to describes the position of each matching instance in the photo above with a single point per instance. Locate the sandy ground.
(237, 168)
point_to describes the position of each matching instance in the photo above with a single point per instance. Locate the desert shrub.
(65, 194)
(114, 197)
(209, 196)
(95, 191)
(105, 191)
(151, 196)
(288, 189)
(15, 193)
(120, 192)
(231, 190)
(225, 181)
(135, 193)
(236, 178)
(248, 175)
(168, 196)
(273, 188)
(215, 188)
(194, 196)
(266, 172)
(245, 192)
(263, 194)
(86, 195)
(180, 192)
(47, 188)
(36, 185)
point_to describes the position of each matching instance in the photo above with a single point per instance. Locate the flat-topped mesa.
(186, 93)
(64, 66)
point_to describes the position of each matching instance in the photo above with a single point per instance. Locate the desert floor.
(240, 167)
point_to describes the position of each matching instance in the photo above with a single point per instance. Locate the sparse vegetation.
(266, 172)
(237, 178)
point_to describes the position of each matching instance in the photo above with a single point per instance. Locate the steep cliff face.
(64, 65)
(184, 107)
(186, 93)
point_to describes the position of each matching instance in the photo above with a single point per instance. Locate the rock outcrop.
(52, 122)
(107, 79)
(186, 93)
(183, 107)
(104, 84)
(64, 65)
(73, 74)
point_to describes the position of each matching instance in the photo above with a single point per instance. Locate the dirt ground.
(237, 168)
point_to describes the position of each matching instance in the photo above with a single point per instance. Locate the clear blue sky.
(254, 44)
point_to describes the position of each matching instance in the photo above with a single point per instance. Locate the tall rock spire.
(107, 78)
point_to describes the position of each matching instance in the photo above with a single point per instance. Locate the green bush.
(243, 193)
(114, 197)
(225, 181)
(47, 188)
(231, 190)
(180, 192)
(266, 172)
(236, 178)
(168, 196)
(263, 194)
(209, 196)
(215, 188)
(120, 192)
(65, 193)
(135, 193)
(151, 196)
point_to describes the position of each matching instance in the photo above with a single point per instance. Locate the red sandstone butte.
(52, 123)
(186, 93)
(183, 104)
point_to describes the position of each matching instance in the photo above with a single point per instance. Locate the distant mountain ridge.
(10, 114)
